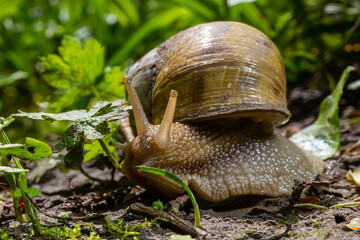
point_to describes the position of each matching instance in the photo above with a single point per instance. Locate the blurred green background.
(317, 38)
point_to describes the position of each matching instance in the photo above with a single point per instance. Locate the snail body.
(227, 92)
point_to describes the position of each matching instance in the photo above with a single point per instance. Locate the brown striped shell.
(220, 69)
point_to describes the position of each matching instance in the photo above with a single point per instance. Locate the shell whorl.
(218, 68)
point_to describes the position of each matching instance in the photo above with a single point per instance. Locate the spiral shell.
(220, 69)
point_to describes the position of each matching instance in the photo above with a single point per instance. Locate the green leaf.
(74, 158)
(17, 193)
(95, 148)
(93, 123)
(354, 85)
(12, 170)
(112, 84)
(130, 9)
(67, 98)
(10, 79)
(322, 138)
(159, 21)
(73, 140)
(101, 111)
(4, 122)
(253, 14)
(68, 139)
(33, 192)
(9, 7)
(31, 149)
(56, 72)
(198, 8)
(76, 66)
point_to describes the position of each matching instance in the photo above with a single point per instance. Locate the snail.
(214, 93)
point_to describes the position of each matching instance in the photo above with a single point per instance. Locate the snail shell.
(220, 69)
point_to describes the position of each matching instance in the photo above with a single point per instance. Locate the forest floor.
(245, 218)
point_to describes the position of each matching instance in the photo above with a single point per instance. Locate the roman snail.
(214, 93)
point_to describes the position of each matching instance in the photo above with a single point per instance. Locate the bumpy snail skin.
(220, 162)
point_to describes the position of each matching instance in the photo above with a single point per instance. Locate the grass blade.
(178, 180)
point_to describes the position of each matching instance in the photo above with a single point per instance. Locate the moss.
(119, 229)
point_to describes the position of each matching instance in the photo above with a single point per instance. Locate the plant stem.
(175, 178)
(29, 208)
(96, 93)
(311, 205)
(325, 208)
(345, 204)
(10, 179)
(22, 183)
(102, 143)
(108, 153)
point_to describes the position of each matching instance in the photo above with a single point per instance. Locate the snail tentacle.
(141, 120)
(162, 137)
(121, 146)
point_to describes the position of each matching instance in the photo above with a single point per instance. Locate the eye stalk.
(139, 114)
(162, 137)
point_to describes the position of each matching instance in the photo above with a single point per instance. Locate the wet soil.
(249, 217)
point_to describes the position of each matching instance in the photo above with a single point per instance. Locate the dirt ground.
(249, 217)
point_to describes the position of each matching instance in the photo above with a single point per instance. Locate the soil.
(248, 217)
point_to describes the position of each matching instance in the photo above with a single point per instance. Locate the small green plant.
(32, 149)
(181, 182)
(158, 205)
(92, 125)
(63, 232)
(79, 71)
(316, 224)
(4, 235)
(68, 233)
(118, 228)
(322, 138)
(64, 215)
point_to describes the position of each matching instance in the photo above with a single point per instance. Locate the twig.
(170, 216)
(279, 235)
(63, 218)
(4, 217)
(70, 188)
(176, 204)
